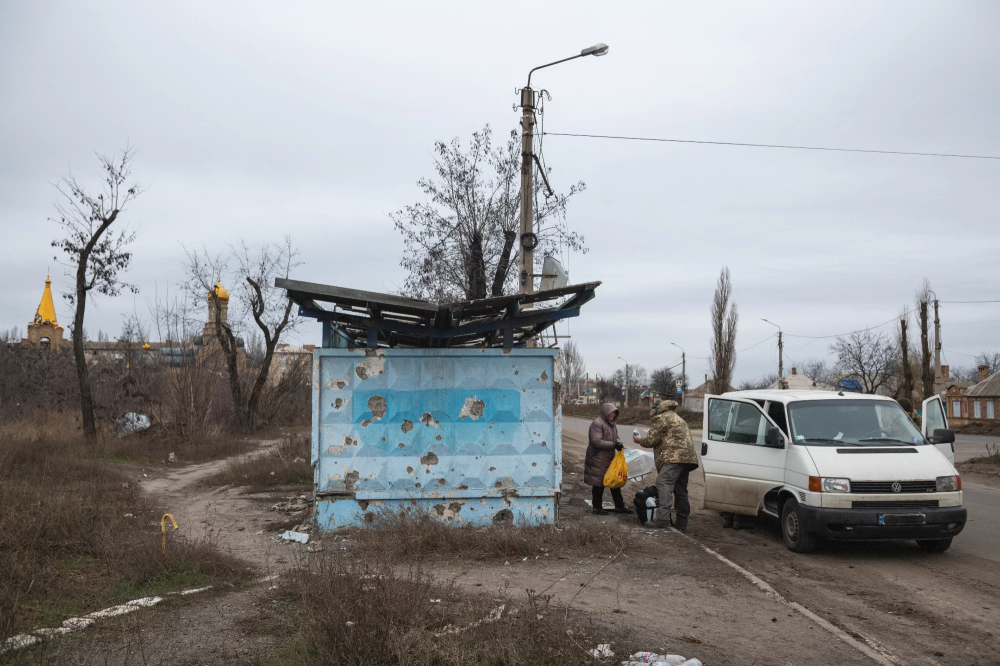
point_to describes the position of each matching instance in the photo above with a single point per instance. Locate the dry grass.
(352, 612)
(287, 464)
(992, 456)
(977, 428)
(76, 536)
(411, 533)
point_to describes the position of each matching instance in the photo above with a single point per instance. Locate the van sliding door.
(739, 468)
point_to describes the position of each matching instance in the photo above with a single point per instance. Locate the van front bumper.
(863, 524)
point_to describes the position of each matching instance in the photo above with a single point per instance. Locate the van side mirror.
(775, 439)
(943, 436)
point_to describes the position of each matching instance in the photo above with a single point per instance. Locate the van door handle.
(704, 448)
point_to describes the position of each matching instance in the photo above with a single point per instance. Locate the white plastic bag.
(640, 463)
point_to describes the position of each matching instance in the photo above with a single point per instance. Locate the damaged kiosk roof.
(369, 319)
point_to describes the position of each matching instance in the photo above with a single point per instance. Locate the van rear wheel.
(934, 545)
(793, 528)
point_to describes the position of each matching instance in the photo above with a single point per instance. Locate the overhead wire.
(776, 145)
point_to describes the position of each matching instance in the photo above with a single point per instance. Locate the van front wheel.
(793, 528)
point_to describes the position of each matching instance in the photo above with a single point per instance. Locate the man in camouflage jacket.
(675, 457)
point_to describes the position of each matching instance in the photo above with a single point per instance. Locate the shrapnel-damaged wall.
(473, 436)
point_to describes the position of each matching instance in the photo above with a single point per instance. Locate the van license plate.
(902, 519)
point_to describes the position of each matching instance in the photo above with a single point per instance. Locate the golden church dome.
(46, 312)
(220, 291)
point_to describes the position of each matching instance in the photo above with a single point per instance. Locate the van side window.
(776, 411)
(736, 422)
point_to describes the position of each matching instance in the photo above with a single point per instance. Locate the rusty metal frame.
(368, 319)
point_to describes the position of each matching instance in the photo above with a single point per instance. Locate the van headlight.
(836, 485)
(949, 484)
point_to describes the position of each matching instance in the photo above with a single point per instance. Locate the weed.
(286, 464)
(76, 536)
(992, 456)
(350, 611)
(411, 533)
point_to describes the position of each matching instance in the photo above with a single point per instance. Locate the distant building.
(44, 330)
(979, 403)
(797, 382)
(284, 359)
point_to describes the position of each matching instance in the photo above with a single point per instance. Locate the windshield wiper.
(885, 439)
(838, 442)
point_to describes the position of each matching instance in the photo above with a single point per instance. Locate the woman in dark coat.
(604, 443)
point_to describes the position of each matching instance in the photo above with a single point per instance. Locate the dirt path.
(238, 522)
(913, 607)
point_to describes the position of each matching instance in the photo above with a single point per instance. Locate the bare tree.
(756, 384)
(725, 317)
(573, 368)
(922, 298)
(462, 242)
(817, 370)
(992, 359)
(635, 379)
(904, 349)
(256, 267)
(607, 390)
(269, 306)
(662, 382)
(95, 253)
(867, 356)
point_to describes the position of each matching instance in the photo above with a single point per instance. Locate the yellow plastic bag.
(617, 473)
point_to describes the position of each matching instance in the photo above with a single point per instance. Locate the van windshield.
(851, 423)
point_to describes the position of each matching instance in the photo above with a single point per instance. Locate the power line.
(969, 301)
(759, 343)
(775, 145)
(959, 353)
(860, 330)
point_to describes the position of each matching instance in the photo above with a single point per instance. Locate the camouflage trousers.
(672, 492)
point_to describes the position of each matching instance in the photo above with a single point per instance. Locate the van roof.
(795, 396)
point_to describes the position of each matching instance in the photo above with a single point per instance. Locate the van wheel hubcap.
(792, 526)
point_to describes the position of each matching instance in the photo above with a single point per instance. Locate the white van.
(833, 465)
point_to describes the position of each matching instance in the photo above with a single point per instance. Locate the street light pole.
(683, 371)
(781, 367)
(529, 240)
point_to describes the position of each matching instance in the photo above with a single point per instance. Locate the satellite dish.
(554, 276)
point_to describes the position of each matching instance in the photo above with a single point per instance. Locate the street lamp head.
(598, 49)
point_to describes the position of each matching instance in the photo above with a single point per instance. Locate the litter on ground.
(289, 535)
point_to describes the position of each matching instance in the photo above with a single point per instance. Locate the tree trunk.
(270, 343)
(477, 267)
(82, 372)
(907, 370)
(926, 376)
(509, 238)
(228, 343)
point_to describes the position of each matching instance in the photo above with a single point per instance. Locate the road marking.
(872, 650)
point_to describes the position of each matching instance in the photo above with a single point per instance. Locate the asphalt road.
(981, 536)
(911, 606)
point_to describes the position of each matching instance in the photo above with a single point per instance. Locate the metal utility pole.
(781, 349)
(683, 371)
(529, 240)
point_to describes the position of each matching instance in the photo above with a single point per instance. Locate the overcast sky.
(253, 120)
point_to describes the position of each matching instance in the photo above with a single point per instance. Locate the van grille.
(901, 504)
(885, 487)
